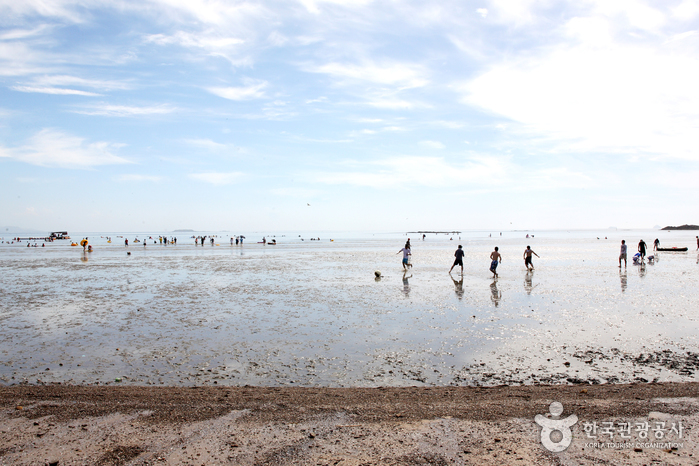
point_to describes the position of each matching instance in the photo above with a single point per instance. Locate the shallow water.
(312, 313)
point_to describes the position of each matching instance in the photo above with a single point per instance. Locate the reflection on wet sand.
(495, 294)
(406, 284)
(642, 270)
(312, 315)
(458, 286)
(528, 287)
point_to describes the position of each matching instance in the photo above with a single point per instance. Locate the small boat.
(59, 235)
(672, 249)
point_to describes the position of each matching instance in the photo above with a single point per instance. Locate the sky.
(155, 115)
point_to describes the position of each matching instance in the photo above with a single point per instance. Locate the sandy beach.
(297, 354)
(69, 425)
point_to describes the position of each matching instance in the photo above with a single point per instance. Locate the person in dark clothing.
(642, 249)
(459, 254)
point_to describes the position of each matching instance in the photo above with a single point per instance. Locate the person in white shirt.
(406, 255)
(622, 253)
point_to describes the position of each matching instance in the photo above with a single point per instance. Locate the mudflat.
(66, 424)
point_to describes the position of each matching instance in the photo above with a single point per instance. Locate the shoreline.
(75, 424)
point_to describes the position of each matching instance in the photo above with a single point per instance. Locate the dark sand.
(330, 426)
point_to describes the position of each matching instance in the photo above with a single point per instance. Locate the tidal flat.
(312, 313)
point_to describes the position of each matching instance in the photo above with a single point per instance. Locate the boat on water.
(59, 235)
(672, 249)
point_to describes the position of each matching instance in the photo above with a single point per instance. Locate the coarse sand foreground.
(59, 424)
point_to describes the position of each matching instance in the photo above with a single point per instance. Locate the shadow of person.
(495, 294)
(458, 286)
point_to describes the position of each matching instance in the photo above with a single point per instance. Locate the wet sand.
(86, 336)
(312, 314)
(69, 425)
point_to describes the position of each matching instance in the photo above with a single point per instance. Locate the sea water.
(312, 313)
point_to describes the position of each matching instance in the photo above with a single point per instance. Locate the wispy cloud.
(51, 148)
(61, 9)
(218, 178)
(403, 75)
(251, 91)
(104, 109)
(67, 80)
(314, 6)
(187, 39)
(19, 59)
(212, 146)
(53, 90)
(14, 34)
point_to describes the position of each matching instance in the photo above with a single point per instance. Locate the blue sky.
(155, 115)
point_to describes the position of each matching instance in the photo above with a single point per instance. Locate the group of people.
(495, 258)
(641, 250)
(201, 239)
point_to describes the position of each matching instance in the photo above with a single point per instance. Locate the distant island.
(683, 227)
(182, 231)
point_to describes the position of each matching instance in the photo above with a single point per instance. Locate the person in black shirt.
(459, 254)
(642, 249)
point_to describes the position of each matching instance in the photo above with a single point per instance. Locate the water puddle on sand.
(314, 314)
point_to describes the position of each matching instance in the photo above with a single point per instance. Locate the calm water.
(311, 312)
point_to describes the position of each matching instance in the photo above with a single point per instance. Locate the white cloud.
(66, 80)
(319, 99)
(312, 6)
(483, 12)
(252, 91)
(205, 144)
(432, 144)
(18, 59)
(124, 110)
(53, 90)
(687, 10)
(136, 177)
(217, 178)
(597, 94)
(390, 103)
(240, 15)
(14, 34)
(62, 9)
(196, 40)
(404, 75)
(212, 146)
(51, 148)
